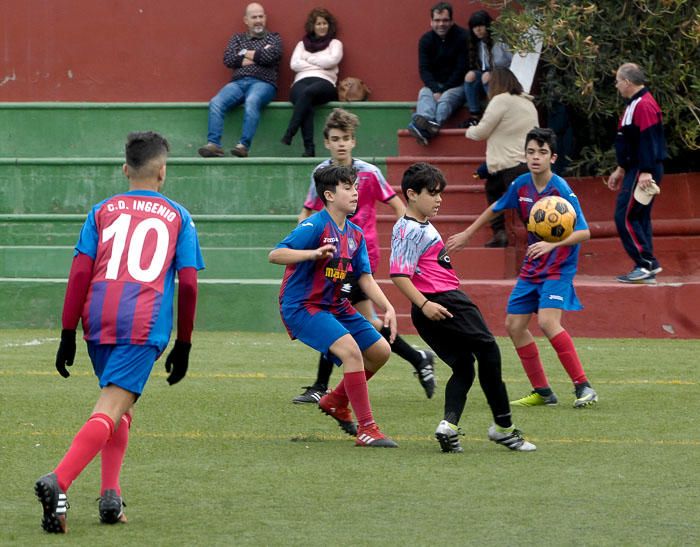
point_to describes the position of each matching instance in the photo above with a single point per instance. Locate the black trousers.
(496, 185)
(305, 95)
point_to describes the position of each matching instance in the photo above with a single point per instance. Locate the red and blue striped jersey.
(138, 240)
(521, 195)
(316, 284)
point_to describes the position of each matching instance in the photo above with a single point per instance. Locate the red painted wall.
(172, 50)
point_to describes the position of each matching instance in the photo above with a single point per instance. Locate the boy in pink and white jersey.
(445, 317)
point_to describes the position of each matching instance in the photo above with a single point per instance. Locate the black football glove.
(178, 359)
(66, 352)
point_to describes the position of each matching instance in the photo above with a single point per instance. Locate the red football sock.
(339, 391)
(113, 456)
(530, 358)
(356, 388)
(87, 443)
(564, 346)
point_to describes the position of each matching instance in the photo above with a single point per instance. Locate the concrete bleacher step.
(611, 309)
(449, 142)
(213, 230)
(203, 186)
(458, 170)
(665, 310)
(100, 129)
(47, 262)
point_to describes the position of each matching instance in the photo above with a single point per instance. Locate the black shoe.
(111, 508)
(312, 395)
(470, 122)
(54, 502)
(431, 127)
(287, 139)
(309, 152)
(426, 373)
(421, 136)
(499, 239)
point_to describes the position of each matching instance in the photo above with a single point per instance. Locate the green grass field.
(224, 458)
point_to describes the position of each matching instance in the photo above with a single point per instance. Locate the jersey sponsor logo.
(330, 240)
(556, 297)
(525, 198)
(444, 259)
(337, 269)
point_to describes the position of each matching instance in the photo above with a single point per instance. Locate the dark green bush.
(584, 43)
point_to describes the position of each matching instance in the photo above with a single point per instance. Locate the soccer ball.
(552, 218)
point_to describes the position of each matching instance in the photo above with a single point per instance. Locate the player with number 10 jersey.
(137, 241)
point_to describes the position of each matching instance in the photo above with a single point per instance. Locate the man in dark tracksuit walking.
(640, 148)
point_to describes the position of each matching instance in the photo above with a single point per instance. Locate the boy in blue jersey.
(339, 138)
(121, 284)
(545, 284)
(319, 254)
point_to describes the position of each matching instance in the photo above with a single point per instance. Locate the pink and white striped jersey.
(417, 252)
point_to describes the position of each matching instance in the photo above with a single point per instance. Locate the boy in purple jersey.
(545, 284)
(318, 254)
(444, 316)
(339, 133)
(122, 284)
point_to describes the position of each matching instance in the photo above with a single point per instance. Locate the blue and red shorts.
(125, 365)
(528, 297)
(322, 328)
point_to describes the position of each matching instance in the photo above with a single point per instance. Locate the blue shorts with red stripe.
(321, 329)
(528, 297)
(125, 365)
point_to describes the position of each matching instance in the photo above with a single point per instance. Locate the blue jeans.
(475, 91)
(441, 109)
(256, 94)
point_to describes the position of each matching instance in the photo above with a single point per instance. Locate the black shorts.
(451, 338)
(352, 291)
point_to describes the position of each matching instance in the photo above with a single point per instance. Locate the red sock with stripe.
(356, 389)
(566, 351)
(340, 394)
(530, 358)
(87, 443)
(113, 455)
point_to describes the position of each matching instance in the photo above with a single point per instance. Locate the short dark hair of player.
(324, 14)
(342, 120)
(422, 175)
(504, 81)
(328, 178)
(143, 147)
(542, 135)
(441, 6)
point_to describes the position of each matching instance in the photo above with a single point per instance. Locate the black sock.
(403, 349)
(323, 376)
(544, 391)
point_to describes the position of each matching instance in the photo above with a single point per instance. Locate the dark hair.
(422, 175)
(142, 147)
(325, 14)
(441, 6)
(504, 81)
(328, 178)
(342, 120)
(480, 18)
(542, 135)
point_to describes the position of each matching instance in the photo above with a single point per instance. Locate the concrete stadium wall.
(172, 50)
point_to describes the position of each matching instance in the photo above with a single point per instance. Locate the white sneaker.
(447, 435)
(513, 440)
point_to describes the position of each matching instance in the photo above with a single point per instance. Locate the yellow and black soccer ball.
(552, 219)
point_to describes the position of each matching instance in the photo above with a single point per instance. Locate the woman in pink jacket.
(315, 61)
